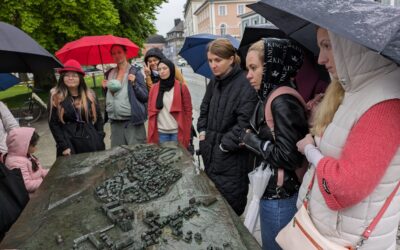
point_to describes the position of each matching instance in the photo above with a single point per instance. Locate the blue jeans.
(275, 215)
(162, 137)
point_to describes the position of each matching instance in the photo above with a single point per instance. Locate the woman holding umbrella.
(75, 119)
(355, 156)
(224, 113)
(272, 64)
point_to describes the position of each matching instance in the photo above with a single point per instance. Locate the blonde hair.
(223, 48)
(259, 48)
(327, 108)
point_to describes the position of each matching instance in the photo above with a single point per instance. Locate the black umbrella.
(20, 53)
(253, 34)
(371, 24)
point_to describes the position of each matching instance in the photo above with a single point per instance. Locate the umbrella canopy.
(253, 34)
(8, 80)
(91, 50)
(371, 24)
(194, 51)
(20, 53)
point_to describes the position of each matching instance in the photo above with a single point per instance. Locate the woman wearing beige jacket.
(357, 156)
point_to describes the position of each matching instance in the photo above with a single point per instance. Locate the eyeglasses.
(71, 74)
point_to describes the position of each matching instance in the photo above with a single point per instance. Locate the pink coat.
(18, 143)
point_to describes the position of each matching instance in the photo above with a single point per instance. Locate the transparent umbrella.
(259, 178)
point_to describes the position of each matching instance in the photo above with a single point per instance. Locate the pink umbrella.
(91, 50)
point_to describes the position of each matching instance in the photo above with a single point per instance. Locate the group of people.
(351, 139)
(161, 96)
(77, 124)
(249, 117)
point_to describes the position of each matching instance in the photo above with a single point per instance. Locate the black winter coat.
(224, 114)
(62, 132)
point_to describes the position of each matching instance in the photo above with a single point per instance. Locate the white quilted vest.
(368, 79)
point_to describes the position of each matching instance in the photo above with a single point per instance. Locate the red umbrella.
(91, 50)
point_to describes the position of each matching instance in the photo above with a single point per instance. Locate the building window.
(254, 21)
(222, 10)
(223, 29)
(240, 9)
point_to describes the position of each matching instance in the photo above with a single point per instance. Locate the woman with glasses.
(126, 100)
(75, 119)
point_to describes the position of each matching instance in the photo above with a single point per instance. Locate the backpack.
(270, 122)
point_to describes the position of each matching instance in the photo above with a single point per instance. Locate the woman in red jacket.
(169, 107)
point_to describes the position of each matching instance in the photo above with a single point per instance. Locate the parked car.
(182, 62)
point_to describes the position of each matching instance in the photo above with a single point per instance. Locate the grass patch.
(17, 95)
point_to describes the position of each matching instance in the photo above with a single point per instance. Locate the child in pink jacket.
(21, 143)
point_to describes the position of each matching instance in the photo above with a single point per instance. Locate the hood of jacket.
(356, 65)
(282, 59)
(18, 140)
(153, 52)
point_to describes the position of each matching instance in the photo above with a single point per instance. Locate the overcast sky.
(166, 15)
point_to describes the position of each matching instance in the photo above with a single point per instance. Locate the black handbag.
(13, 197)
(85, 138)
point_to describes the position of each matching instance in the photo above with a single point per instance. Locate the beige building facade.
(191, 24)
(221, 17)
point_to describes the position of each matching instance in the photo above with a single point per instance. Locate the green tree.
(54, 23)
(137, 19)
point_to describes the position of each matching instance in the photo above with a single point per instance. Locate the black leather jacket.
(290, 126)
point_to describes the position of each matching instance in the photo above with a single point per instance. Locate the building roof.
(155, 39)
(178, 28)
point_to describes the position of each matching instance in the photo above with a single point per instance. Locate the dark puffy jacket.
(224, 113)
(290, 126)
(138, 96)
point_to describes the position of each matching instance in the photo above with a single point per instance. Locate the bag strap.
(270, 120)
(378, 217)
(368, 231)
(283, 90)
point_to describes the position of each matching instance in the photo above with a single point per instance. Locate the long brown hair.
(61, 92)
(223, 48)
